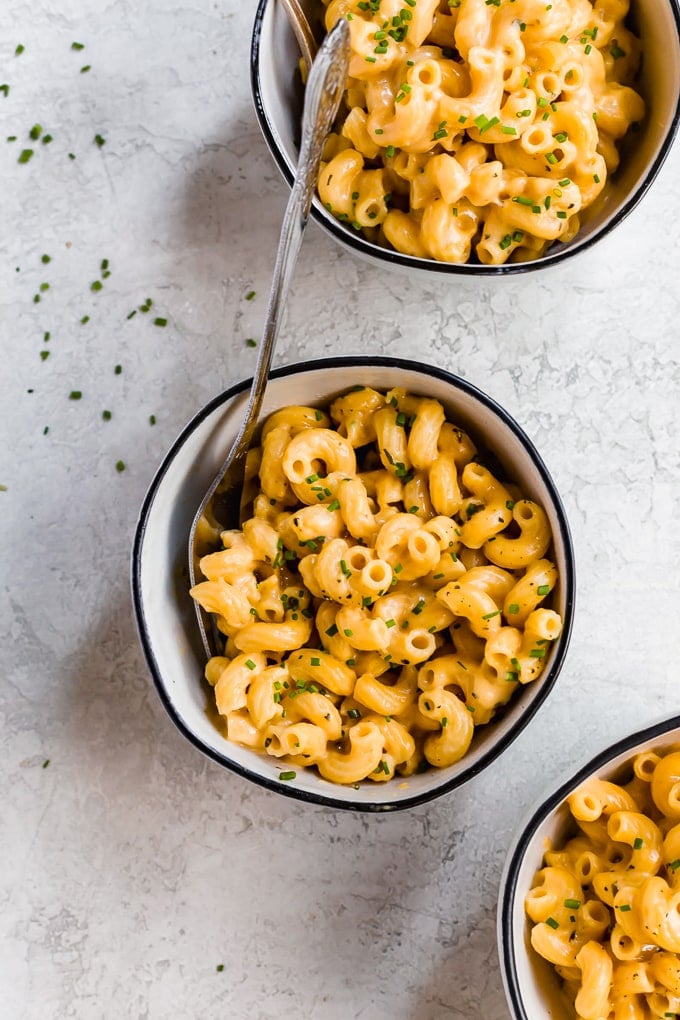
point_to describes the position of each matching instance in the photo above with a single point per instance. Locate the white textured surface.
(131, 868)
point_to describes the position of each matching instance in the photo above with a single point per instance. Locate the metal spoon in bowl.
(323, 92)
(301, 30)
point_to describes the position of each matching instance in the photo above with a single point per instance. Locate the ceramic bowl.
(278, 103)
(531, 985)
(165, 613)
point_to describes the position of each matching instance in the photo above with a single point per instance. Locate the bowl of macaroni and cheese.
(396, 604)
(479, 138)
(589, 914)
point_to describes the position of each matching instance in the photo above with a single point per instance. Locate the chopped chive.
(85, 319)
(552, 923)
(86, 68)
(250, 295)
(44, 355)
(35, 132)
(489, 616)
(250, 664)
(335, 505)
(118, 369)
(75, 395)
(354, 713)
(25, 155)
(96, 285)
(285, 777)
(638, 843)
(332, 630)
(625, 907)
(100, 140)
(158, 321)
(572, 904)
(543, 589)
(19, 50)
(120, 466)
(106, 415)
(513, 609)
(152, 419)
(537, 653)
(77, 46)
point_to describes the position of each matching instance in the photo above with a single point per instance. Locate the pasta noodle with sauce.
(387, 595)
(478, 129)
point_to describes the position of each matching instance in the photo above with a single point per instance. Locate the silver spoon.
(323, 93)
(301, 30)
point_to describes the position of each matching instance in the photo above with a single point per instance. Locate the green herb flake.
(44, 355)
(572, 904)
(120, 466)
(286, 777)
(19, 50)
(99, 140)
(96, 286)
(75, 395)
(106, 415)
(25, 155)
(543, 589)
(638, 843)
(513, 609)
(552, 923)
(219, 968)
(77, 46)
(625, 907)
(160, 322)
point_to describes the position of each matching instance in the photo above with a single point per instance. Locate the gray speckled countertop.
(131, 867)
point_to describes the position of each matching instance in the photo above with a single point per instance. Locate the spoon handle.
(322, 98)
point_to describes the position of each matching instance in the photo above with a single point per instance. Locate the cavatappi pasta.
(605, 908)
(478, 129)
(387, 595)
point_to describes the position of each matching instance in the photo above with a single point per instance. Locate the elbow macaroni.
(605, 908)
(368, 626)
(478, 129)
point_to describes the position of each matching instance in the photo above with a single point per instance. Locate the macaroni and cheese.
(386, 594)
(478, 129)
(605, 908)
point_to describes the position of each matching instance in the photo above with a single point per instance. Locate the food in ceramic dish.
(386, 595)
(605, 906)
(479, 130)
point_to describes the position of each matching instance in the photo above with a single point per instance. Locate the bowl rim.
(524, 835)
(367, 249)
(568, 580)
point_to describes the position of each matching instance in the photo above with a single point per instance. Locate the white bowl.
(278, 103)
(531, 984)
(165, 614)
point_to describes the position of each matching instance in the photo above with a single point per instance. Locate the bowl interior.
(531, 984)
(278, 100)
(165, 611)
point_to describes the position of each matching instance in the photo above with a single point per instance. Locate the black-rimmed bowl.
(531, 984)
(278, 103)
(165, 614)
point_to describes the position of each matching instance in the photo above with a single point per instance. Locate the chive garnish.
(543, 589)
(552, 923)
(120, 466)
(285, 777)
